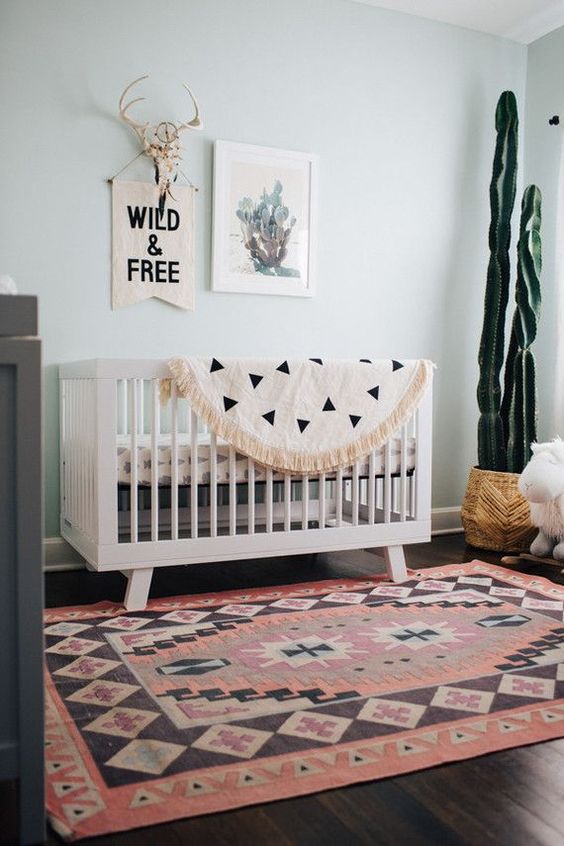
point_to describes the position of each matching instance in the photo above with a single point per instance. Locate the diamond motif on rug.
(103, 693)
(146, 756)
(87, 668)
(311, 726)
(520, 685)
(392, 712)
(74, 646)
(461, 699)
(232, 740)
(122, 722)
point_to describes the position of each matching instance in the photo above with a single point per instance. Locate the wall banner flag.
(152, 251)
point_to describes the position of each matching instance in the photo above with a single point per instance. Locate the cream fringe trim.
(286, 460)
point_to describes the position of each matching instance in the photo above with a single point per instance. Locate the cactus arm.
(522, 417)
(509, 380)
(491, 446)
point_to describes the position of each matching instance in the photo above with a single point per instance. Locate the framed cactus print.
(264, 220)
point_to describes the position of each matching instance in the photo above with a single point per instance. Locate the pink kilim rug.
(205, 703)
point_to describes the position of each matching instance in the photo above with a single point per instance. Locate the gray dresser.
(21, 570)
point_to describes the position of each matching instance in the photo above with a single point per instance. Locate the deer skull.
(160, 142)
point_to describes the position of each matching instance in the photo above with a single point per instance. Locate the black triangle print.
(229, 403)
(255, 379)
(216, 365)
(303, 424)
(374, 392)
(317, 360)
(396, 365)
(365, 361)
(269, 416)
(283, 368)
(354, 418)
(328, 405)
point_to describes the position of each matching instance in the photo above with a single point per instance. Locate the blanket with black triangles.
(306, 415)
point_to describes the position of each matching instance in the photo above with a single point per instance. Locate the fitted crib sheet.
(222, 462)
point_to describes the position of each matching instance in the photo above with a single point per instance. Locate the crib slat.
(174, 462)
(322, 504)
(72, 454)
(77, 450)
(387, 481)
(123, 405)
(269, 496)
(194, 474)
(75, 454)
(62, 442)
(155, 432)
(371, 487)
(89, 493)
(72, 462)
(141, 400)
(339, 497)
(414, 485)
(80, 449)
(213, 485)
(232, 491)
(287, 502)
(79, 456)
(305, 502)
(133, 492)
(355, 493)
(403, 473)
(251, 496)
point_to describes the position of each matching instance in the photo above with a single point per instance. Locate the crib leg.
(137, 592)
(395, 563)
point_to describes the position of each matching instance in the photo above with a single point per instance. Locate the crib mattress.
(241, 462)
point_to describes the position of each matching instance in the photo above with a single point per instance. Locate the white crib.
(140, 516)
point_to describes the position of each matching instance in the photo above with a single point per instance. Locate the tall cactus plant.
(507, 427)
(491, 442)
(519, 413)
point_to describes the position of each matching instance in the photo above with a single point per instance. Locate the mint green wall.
(400, 111)
(545, 97)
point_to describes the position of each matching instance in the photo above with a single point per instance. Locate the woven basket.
(494, 514)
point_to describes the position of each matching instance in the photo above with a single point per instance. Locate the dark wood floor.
(514, 797)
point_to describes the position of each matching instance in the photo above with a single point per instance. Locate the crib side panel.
(88, 467)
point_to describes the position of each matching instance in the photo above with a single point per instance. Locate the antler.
(139, 128)
(195, 123)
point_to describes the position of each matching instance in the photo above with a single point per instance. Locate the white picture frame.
(259, 182)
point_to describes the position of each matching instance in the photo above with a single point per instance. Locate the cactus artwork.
(266, 227)
(507, 426)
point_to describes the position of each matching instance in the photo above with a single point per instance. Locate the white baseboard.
(60, 555)
(446, 521)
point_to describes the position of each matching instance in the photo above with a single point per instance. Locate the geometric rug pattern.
(203, 703)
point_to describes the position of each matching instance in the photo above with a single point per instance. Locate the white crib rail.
(119, 403)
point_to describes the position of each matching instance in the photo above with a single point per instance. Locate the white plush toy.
(542, 484)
